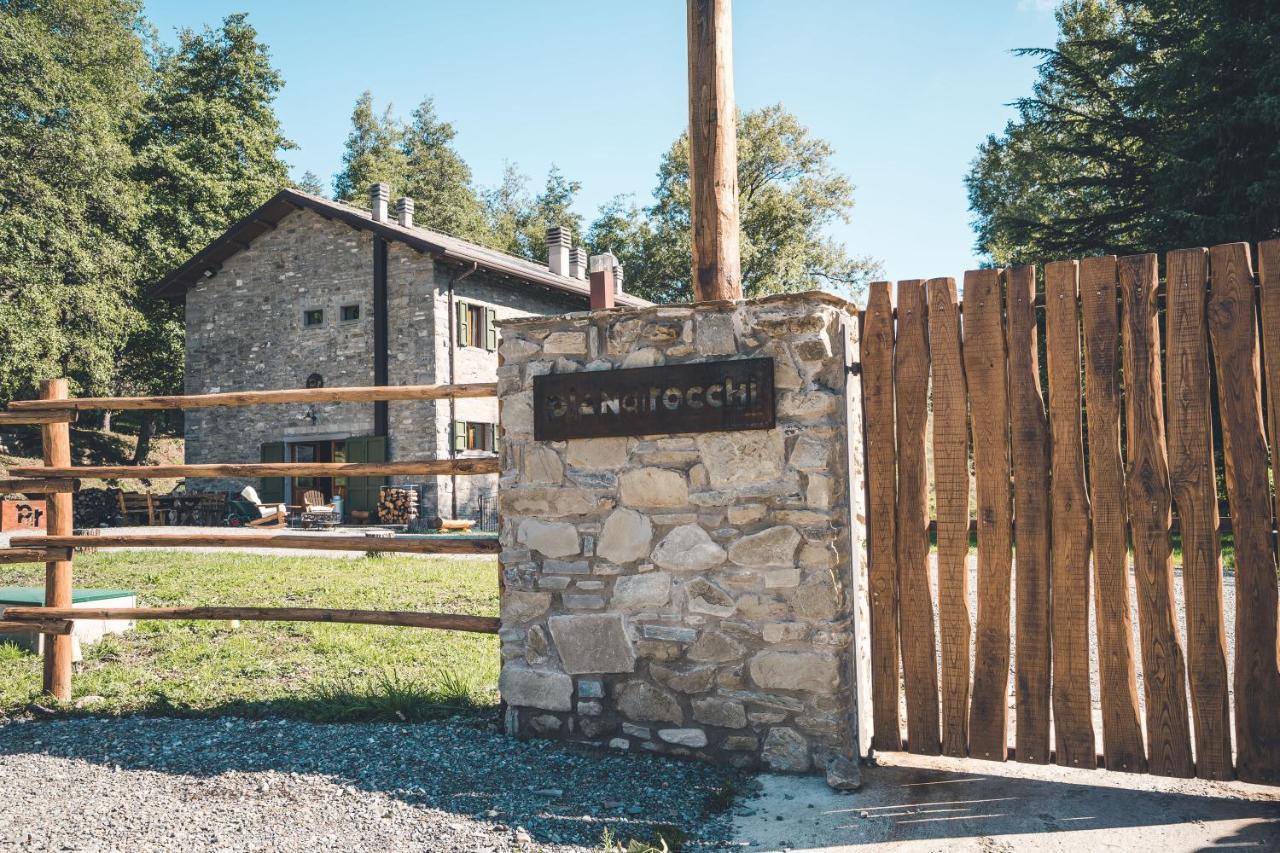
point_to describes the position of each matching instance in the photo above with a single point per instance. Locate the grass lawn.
(311, 671)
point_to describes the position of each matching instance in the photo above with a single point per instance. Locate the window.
(315, 380)
(313, 317)
(470, 435)
(475, 326)
(350, 313)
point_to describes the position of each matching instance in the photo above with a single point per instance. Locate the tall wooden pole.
(713, 152)
(57, 573)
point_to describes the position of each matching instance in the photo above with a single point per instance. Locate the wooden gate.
(1155, 386)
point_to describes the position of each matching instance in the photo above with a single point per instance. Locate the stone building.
(309, 292)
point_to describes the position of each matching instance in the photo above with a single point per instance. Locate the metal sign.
(22, 515)
(707, 397)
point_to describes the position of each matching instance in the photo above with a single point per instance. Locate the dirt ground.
(912, 803)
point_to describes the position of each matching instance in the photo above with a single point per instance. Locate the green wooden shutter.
(271, 489)
(464, 324)
(490, 330)
(459, 436)
(362, 492)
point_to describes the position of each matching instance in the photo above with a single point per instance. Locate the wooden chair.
(316, 513)
(136, 508)
(270, 515)
(313, 501)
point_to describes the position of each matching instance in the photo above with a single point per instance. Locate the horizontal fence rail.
(60, 416)
(426, 467)
(370, 394)
(28, 616)
(40, 485)
(58, 479)
(9, 556)
(309, 542)
(38, 625)
(1065, 477)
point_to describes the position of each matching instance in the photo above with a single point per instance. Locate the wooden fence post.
(57, 574)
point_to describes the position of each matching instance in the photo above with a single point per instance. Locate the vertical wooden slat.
(951, 499)
(915, 616)
(1147, 483)
(1072, 705)
(56, 439)
(1269, 285)
(1030, 439)
(882, 506)
(1194, 488)
(984, 361)
(1122, 747)
(1244, 452)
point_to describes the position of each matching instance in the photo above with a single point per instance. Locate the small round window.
(315, 380)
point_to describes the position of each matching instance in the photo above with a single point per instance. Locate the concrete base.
(86, 632)
(918, 803)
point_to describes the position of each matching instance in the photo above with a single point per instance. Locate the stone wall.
(245, 332)
(688, 594)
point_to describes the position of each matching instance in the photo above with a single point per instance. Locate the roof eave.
(242, 233)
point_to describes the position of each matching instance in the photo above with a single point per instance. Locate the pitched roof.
(240, 235)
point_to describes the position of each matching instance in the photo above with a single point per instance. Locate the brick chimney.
(603, 288)
(578, 263)
(378, 196)
(404, 211)
(558, 249)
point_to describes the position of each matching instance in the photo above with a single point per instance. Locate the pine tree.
(1151, 126)
(310, 183)
(374, 153)
(437, 178)
(518, 221)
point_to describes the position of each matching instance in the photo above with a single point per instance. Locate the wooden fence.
(58, 478)
(1139, 374)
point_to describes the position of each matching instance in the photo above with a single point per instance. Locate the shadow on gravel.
(464, 765)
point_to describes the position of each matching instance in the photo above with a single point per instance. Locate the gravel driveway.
(141, 783)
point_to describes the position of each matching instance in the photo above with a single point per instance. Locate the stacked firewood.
(96, 507)
(397, 505)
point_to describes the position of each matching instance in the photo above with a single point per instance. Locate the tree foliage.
(1153, 124)
(518, 219)
(415, 159)
(789, 195)
(116, 164)
(207, 153)
(71, 88)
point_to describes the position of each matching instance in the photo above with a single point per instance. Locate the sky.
(904, 91)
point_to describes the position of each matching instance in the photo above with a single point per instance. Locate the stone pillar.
(693, 594)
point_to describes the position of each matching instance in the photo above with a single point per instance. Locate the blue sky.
(904, 91)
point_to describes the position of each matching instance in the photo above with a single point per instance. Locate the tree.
(438, 179)
(374, 153)
(789, 194)
(310, 183)
(70, 93)
(518, 221)
(207, 153)
(1151, 126)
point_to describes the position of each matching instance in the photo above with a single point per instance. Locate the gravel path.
(140, 784)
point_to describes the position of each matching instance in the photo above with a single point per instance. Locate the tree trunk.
(146, 429)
